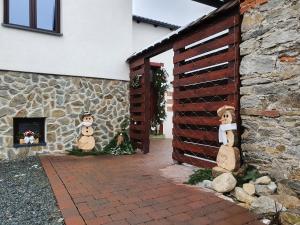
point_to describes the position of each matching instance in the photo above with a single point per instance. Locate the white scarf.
(86, 124)
(222, 131)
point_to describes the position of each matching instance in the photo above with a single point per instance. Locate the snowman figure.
(227, 134)
(86, 141)
(29, 137)
(228, 158)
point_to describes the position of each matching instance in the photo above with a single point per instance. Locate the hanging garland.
(160, 84)
(136, 81)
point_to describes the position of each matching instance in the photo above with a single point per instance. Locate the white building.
(54, 66)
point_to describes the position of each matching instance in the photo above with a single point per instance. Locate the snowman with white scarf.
(228, 158)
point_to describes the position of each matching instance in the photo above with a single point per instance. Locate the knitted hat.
(221, 110)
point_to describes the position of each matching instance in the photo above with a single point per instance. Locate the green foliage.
(136, 81)
(250, 174)
(123, 149)
(199, 176)
(160, 84)
(78, 152)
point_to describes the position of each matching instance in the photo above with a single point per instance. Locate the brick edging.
(64, 200)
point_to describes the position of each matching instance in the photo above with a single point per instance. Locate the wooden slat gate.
(206, 77)
(140, 105)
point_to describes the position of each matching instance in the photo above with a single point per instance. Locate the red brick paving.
(129, 190)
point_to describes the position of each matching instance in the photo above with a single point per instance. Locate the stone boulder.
(266, 205)
(217, 171)
(224, 183)
(265, 189)
(243, 196)
(283, 188)
(288, 201)
(205, 184)
(249, 188)
(290, 217)
(263, 180)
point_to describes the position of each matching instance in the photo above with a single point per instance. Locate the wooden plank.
(146, 113)
(209, 76)
(136, 136)
(216, 43)
(201, 149)
(136, 72)
(138, 62)
(197, 120)
(206, 62)
(136, 109)
(137, 127)
(198, 107)
(137, 91)
(213, 3)
(209, 91)
(136, 118)
(135, 100)
(139, 145)
(193, 161)
(208, 31)
(196, 134)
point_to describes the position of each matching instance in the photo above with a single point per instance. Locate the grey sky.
(179, 12)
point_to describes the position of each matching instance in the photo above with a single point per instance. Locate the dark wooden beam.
(213, 3)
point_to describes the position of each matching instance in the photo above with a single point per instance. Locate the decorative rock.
(17, 100)
(257, 64)
(58, 113)
(207, 184)
(263, 180)
(249, 188)
(265, 205)
(284, 189)
(265, 189)
(272, 186)
(224, 183)
(291, 217)
(217, 171)
(244, 205)
(290, 202)
(243, 196)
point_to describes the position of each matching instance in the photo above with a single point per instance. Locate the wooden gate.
(140, 104)
(206, 77)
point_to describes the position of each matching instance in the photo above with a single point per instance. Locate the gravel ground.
(26, 197)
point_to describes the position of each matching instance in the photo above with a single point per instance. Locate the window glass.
(46, 14)
(19, 12)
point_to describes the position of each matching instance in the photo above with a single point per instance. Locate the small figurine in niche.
(86, 141)
(228, 158)
(29, 137)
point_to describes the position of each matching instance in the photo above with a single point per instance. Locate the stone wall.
(270, 92)
(61, 99)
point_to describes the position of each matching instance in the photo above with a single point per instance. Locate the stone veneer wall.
(61, 99)
(270, 92)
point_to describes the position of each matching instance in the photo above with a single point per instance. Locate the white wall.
(144, 35)
(96, 41)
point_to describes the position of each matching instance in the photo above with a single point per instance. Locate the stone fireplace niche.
(35, 125)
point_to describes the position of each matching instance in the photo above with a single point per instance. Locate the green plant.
(250, 174)
(160, 79)
(136, 81)
(199, 176)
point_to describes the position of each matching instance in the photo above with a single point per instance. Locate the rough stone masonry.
(270, 92)
(61, 99)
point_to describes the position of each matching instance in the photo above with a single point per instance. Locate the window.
(38, 15)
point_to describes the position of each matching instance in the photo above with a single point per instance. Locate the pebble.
(26, 195)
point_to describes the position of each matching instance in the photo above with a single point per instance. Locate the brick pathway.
(129, 190)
